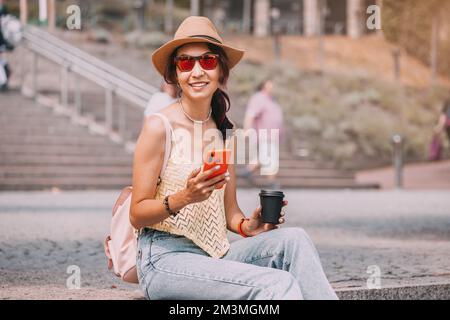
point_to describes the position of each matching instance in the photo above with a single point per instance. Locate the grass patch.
(343, 117)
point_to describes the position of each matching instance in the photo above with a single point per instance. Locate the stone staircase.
(43, 150)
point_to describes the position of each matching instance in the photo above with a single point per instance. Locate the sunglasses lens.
(208, 62)
(185, 63)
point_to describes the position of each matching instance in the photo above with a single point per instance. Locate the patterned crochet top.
(203, 222)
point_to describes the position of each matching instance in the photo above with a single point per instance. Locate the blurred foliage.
(345, 118)
(146, 40)
(409, 24)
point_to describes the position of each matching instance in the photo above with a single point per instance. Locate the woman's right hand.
(198, 188)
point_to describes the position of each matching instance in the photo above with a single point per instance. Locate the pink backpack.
(121, 245)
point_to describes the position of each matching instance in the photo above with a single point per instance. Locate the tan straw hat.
(194, 29)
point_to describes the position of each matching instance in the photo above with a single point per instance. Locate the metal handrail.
(72, 59)
(76, 52)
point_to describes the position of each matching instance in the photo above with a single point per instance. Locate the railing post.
(77, 95)
(34, 62)
(109, 93)
(65, 85)
(22, 65)
(397, 141)
(122, 121)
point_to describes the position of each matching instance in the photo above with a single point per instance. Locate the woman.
(183, 250)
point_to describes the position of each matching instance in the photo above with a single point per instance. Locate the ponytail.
(220, 105)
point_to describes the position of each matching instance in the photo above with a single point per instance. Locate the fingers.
(225, 176)
(194, 173)
(208, 189)
(257, 213)
(285, 202)
(202, 176)
(222, 183)
(269, 226)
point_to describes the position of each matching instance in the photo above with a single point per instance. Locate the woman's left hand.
(255, 225)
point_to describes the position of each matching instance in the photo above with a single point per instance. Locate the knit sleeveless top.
(202, 222)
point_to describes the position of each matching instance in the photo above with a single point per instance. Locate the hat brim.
(161, 55)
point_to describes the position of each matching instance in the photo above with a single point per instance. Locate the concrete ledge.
(413, 292)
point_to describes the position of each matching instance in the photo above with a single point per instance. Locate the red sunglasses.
(208, 61)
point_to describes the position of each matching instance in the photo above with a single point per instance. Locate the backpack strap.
(168, 142)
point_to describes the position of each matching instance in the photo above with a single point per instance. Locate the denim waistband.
(164, 242)
(156, 234)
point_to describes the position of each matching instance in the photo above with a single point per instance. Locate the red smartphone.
(217, 157)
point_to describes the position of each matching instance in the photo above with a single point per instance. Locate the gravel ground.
(405, 233)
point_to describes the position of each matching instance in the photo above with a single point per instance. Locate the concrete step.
(434, 291)
(105, 149)
(292, 163)
(310, 172)
(36, 170)
(67, 160)
(52, 140)
(64, 183)
(309, 183)
(116, 182)
(35, 111)
(35, 121)
(64, 171)
(68, 130)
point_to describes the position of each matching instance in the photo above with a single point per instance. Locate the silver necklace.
(193, 120)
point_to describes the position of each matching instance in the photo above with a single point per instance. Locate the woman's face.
(197, 83)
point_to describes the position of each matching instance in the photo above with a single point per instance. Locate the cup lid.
(272, 193)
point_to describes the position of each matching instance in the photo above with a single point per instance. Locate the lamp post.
(140, 8)
(396, 55)
(276, 30)
(398, 141)
(168, 17)
(23, 12)
(42, 12)
(195, 7)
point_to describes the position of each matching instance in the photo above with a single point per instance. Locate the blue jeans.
(278, 264)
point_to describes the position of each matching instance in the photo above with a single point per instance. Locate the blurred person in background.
(166, 96)
(263, 113)
(5, 71)
(436, 146)
(444, 120)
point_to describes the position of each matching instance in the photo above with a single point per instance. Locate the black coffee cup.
(271, 204)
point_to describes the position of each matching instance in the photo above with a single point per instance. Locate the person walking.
(5, 71)
(263, 113)
(444, 120)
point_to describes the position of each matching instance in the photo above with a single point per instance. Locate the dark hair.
(262, 84)
(220, 102)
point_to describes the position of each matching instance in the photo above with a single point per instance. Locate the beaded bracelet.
(166, 204)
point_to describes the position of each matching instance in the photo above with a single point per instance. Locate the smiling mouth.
(199, 84)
